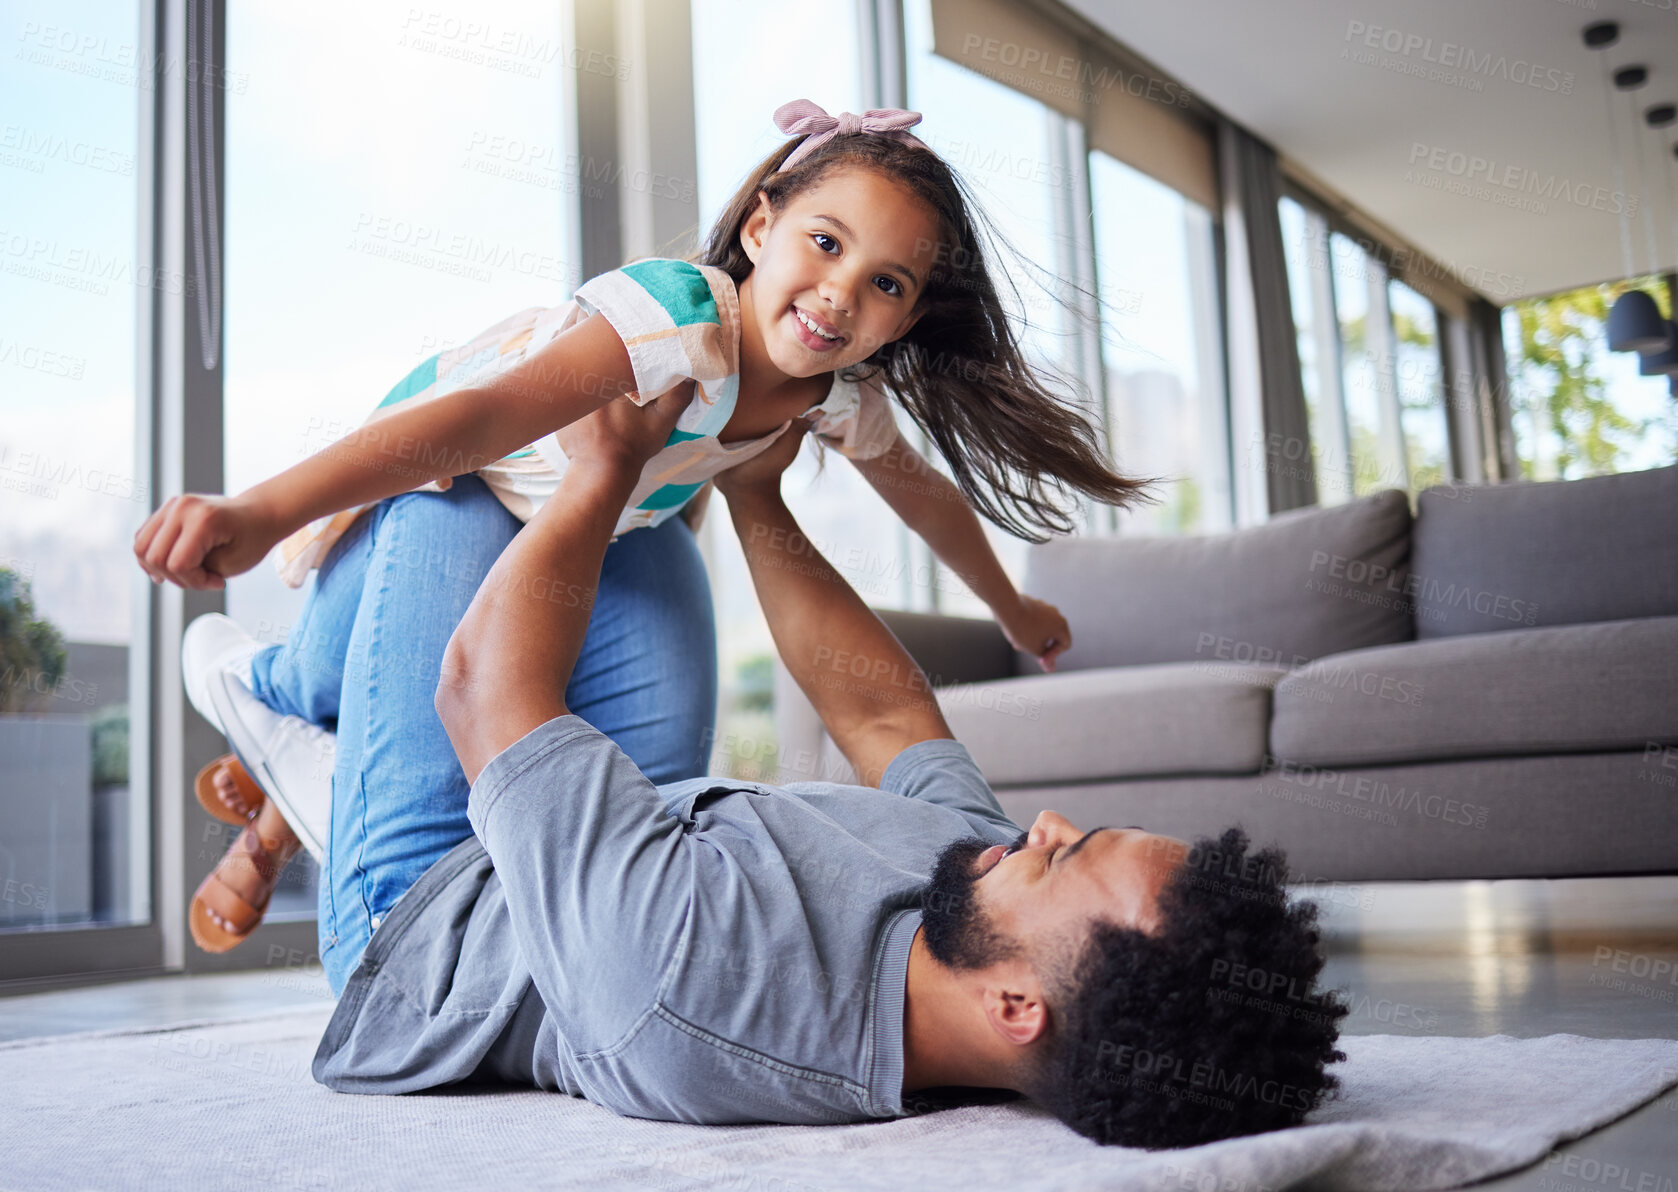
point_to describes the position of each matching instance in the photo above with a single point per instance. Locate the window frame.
(1462, 397)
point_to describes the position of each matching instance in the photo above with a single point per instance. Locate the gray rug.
(232, 1105)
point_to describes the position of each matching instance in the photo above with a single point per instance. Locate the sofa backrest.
(1306, 583)
(1561, 552)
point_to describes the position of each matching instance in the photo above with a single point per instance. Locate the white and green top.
(678, 320)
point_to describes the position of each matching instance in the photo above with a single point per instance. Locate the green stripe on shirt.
(684, 293)
(422, 378)
(670, 495)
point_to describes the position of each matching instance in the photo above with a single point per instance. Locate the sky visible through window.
(70, 499)
(398, 179)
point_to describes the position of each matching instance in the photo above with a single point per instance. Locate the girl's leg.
(646, 677)
(398, 792)
(304, 676)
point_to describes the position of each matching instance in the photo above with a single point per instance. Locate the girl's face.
(852, 254)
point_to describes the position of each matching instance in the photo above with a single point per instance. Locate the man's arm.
(874, 699)
(508, 662)
(596, 880)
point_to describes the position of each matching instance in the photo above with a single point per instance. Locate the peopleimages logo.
(1451, 56)
(1472, 168)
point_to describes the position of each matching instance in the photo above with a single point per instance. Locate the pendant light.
(1657, 364)
(1634, 323)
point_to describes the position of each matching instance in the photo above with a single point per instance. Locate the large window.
(1166, 406)
(1369, 350)
(999, 140)
(1002, 143)
(792, 57)
(1420, 385)
(392, 189)
(1576, 408)
(1155, 378)
(75, 832)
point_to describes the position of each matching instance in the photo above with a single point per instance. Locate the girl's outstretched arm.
(931, 505)
(198, 540)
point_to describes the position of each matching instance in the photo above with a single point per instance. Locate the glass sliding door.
(792, 56)
(1420, 383)
(1003, 144)
(1370, 362)
(1166, 403)
(397, 180)
(75, 830)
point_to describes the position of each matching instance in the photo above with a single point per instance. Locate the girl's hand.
(1037, 627)
(200, 540)
(765, 468)
(624, 433)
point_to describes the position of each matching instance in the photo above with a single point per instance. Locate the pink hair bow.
(799, 116)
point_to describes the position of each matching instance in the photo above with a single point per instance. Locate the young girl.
(846, 270)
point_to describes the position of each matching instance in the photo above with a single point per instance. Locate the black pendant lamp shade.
(1635, 324)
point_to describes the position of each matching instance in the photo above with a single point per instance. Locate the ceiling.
(1540, 215)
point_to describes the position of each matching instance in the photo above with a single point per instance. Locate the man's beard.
(959, 934)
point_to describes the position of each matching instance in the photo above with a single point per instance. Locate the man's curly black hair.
(1208, 1028)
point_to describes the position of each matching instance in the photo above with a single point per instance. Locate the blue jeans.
(365, 657)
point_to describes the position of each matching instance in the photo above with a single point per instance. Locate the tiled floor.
(1594, 957)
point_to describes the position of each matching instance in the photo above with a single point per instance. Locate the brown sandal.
(204, 786)
(220, 917)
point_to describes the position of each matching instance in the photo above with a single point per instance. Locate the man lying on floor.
(719, 951)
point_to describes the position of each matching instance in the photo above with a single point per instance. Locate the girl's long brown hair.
(1010, 443)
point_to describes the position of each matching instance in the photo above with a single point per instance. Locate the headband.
(798, 116)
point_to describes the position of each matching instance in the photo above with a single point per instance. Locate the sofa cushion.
(1565, 689)
(1307, 583)
(1183, 718)
(1567, 552)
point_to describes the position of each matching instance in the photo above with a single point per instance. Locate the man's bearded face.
(959, 934)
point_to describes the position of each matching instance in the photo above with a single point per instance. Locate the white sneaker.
(214, 642)
(290, 759)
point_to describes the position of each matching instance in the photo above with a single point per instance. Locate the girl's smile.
(818, 334)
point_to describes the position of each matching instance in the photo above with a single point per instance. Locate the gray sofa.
(1486, 689)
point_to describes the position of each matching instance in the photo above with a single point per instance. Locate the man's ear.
(1016, 1011)
(755, 227)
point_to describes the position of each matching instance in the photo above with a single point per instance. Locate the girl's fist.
(1038, 628)
(198, 540)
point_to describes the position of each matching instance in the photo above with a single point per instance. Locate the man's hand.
(624, 433)
(200, 540)
(1038, 628)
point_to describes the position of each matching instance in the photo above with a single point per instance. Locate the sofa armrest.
(953, 649)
